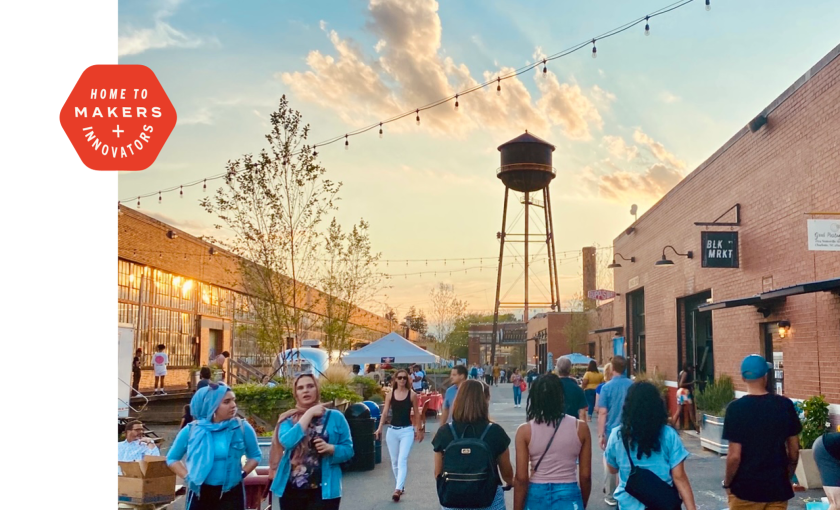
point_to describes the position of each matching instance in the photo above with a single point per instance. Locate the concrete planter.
(806, 471)
(711, 434)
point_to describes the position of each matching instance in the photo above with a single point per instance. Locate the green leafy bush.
(370, 387)
(815, 422)
(334, 391)
(262, 401)
(657, 379)
(717, 395)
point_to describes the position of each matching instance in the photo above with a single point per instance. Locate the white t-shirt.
(418, 380)
(160, 360)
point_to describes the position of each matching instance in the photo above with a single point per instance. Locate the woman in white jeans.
(404, 429)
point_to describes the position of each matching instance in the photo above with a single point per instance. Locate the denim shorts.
(556, 496)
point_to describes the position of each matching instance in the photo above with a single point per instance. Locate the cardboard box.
(146, 481)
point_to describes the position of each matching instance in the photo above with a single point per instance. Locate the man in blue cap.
(763, 434)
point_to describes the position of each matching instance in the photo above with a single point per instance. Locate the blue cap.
(753, 367)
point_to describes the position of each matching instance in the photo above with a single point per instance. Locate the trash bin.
(361, 431)
(376, 414)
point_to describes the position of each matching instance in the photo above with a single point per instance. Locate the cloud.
(658, 150)
(202, 116)
(618, 148)
(133, 41)
(625, 186)
(409, 70)
(669, 98)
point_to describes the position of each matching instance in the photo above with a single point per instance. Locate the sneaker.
(396, 496)
(610, 501)
(163, 392)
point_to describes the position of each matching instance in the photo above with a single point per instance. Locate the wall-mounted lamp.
(665, 262)
(212, 250)
(616, 264)
(171, 234)
(784, 329)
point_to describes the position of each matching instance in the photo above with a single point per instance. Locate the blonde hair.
(470, 404)
(608, 372)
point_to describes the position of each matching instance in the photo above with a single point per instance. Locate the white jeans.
(400, 442)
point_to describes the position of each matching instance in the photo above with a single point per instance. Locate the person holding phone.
(310, 443)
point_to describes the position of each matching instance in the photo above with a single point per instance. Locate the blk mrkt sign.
(720, 249)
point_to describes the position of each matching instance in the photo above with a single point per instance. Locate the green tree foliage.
(815, 423)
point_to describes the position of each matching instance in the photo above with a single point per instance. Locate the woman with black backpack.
(648, 455)
(471, 454)
(553, 453)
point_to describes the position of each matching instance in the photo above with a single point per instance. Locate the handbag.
(522, 385)
(652, 491)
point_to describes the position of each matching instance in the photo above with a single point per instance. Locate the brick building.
(510, 343)
(188, 295)
(754, 198)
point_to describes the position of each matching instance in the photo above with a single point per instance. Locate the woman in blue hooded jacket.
(310, 443)
(208, 452)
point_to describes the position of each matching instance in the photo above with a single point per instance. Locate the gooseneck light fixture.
(666, 262)
(784, 328)
(616, 264)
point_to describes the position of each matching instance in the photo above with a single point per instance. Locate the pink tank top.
(560, 462)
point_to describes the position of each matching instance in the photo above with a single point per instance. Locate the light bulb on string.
(380, 130)
(594, 50)
(647, 25)
(456, 102)
(498, 86)
(418, 116)
(545, 67)
(346, 143)
(708, 5)
(182, 192)
(160, 198)
(314, 151)
(205, 186)
(138, 202)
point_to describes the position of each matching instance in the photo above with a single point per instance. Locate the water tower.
(526, 168)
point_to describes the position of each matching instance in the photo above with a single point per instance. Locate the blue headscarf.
(200, 444)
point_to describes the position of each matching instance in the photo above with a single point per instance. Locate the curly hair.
(546, 401)
(643, 417)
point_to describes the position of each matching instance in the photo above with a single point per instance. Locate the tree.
(577, 329)
(446, 310)
(416, 321)
(273, 204)
(348, 280)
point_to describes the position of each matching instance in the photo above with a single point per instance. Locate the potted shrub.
(711, 408)
(814, 424)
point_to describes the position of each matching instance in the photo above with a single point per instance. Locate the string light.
(647, 25)
(314, 151)
(380, 130)
(479, 86)
(205, 186)
(418, 116)
(498, 86)
(160, 198)
(182, 192)
(708, 5)
(138, 202)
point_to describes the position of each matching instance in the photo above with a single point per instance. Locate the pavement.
(371, 490)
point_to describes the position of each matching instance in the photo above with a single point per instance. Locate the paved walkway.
(372, 490)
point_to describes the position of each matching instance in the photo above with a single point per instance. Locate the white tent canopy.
(389, 346)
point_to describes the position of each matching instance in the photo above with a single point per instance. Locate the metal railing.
(242, 372)
(520, 167)
(127, 404)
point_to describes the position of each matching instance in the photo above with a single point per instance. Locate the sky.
(627, 125)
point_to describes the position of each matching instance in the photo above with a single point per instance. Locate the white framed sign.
(823, 235)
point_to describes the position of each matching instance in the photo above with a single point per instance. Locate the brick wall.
(788, 168)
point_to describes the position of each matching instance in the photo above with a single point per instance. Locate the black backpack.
(469, 477)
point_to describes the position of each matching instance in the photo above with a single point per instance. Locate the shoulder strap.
(327, 418)
(548, 446)
(486, 430)
(629, 456)
(454, 432)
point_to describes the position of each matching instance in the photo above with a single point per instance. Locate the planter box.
(806, 471)
(711, 434)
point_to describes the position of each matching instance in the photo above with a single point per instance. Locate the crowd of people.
(643, 454)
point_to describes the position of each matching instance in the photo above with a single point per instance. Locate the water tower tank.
(526, 163)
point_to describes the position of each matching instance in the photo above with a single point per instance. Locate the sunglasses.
(402, 378)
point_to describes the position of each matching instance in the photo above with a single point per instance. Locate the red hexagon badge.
(118, 117)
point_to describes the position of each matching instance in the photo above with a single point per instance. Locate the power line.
(416, 111)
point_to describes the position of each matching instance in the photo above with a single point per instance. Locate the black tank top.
(401, 410)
